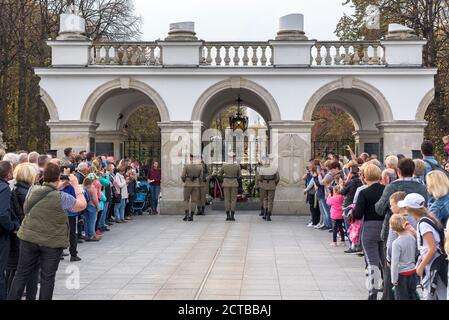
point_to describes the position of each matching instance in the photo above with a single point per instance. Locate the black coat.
(350, 189)
(366, 201)
(7, 223)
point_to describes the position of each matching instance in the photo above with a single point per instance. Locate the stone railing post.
(181, 48)
(71, 47)
(291, 47)
(402, 47)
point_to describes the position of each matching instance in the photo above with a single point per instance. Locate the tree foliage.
(25, 26)
(430, 20)
(332, 124)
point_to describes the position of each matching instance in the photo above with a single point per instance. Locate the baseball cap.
(413, 200)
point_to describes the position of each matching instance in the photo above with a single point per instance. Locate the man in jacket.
(267, 179)
(7, 223)
(204, 190)
(231, 174)
(191, 175)
(427, 151)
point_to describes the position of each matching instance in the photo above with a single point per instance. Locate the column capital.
(402, 126)
(72, 126)
(293, 126)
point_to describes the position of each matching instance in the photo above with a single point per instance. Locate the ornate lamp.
(238, 120)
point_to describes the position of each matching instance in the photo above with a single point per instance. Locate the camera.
(64, 177)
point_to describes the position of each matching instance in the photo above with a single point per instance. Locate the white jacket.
(120, 184)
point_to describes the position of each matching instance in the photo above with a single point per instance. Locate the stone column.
(79, 135)
(179, 139)
(290, 145)
(401, 137)
(365, 136)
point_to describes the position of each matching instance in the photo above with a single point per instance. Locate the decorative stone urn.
(291, 27)
(71, 26)
(182, 31)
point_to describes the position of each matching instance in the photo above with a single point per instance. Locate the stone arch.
(236, 83)
(424, 104)
(129, 111)
(372, 93)
(345, 106)
(100, 94)
(50, 104)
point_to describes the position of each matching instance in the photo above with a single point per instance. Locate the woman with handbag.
(120, 195)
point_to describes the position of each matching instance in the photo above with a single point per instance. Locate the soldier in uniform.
(192, 173)
(231, 174)
(267, 179)
(204, 190)
(256, 186)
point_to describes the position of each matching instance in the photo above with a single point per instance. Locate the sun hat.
(412, 200)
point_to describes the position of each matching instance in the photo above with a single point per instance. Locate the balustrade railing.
(347, 53)
(237, 54)
(126, 53)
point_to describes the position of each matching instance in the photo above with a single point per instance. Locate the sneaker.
(333, 244)
(80, 241)
(317, 226)
(350, 250)
(310, 225)
(129, 218)
(330, 231)
(75, 259)
(124, 221)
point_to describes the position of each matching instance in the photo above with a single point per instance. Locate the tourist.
(390, 173)
(45, 235)
(420, 171)
(82, 171)
(335, 202)
(446, 146)
(2, 154)
(131, 185)
(73, 222)
(430, 237)
(90, 214)
(312, 199)
(23, 157)
(392, 235)
(154, 179)
(33, 158)
(438, 187)
(371, 241)
(105, 182)
(89, 158)
(334, 171)
(427, 151)
(69, 157)
(403, 260)
(446, 166)
(7, 222)
(120, 195)
(25, 176)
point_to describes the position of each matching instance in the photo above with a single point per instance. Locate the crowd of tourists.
(48, 205)
(394, 214)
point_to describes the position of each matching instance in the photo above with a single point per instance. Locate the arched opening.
(358, 106)
(219, 139)
(127, 117)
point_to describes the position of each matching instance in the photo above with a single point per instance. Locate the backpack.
(437, 167)
(16, 207)
(440, 264)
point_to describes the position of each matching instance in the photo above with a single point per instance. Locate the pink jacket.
(336, 204)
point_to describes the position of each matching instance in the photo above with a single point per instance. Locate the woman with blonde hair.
(25, 176)
(420, 170)
(438, 187)
(371, 242)
(390, 173)
(432, 263)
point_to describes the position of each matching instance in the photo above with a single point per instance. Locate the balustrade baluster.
(91, 54)
(236, 55)
(365, 59)
(245, 55)
(347, 59)
(218, 58)
(254, 59)
(152, 60)
(375, 58)
(328, 59)
(337, 54)
(97, 54)
(136, 52)
(107, 58)
(318, 58)
(263, 58)
(227, 59)
(356, 59)
(209, 55)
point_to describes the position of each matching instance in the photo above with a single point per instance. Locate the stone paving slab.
(162, 257)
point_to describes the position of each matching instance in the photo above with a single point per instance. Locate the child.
(335, 202)
(403, 260)
(446, 145)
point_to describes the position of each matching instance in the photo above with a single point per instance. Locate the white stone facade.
(91, 88)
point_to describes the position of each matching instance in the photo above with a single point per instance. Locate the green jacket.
(45, 223)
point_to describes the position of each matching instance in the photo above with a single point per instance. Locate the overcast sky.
(238, 19)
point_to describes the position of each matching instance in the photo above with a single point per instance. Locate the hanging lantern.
(238, 120)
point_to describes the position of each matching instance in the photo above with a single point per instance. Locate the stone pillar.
(291, 47)
(79, 135)
(179, 139)
(365, 136)
(115, 137)
(401, 137)
(290, 145)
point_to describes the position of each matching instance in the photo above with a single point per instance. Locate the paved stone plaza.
(161, 257)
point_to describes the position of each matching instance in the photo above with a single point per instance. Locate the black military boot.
(200, 212)
(262, 212)
(203, 211)
(228, 216)
(191, 216)
(186, 217)
(268, 216)
(232, 216)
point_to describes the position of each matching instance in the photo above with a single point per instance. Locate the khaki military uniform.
(191, 176)
(231, 173)
(267, 181)
(204, 189)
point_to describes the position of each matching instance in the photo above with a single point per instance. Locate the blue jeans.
(154, 192)
(326, 212)
(104, 214)
(119, 210)
(90, 218)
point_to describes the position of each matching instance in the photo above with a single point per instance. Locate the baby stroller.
(138, 205)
